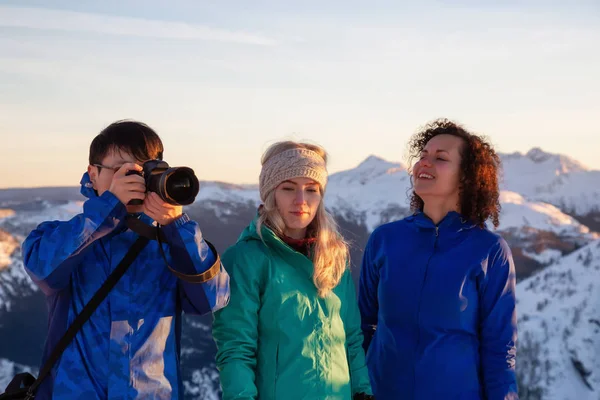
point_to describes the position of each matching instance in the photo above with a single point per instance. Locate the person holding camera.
(129, 347)
(292, 328)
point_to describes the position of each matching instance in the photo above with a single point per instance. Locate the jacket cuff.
(181, 220)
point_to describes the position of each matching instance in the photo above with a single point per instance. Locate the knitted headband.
(289, 164)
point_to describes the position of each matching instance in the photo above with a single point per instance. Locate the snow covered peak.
(371, 168)
(552, 178)
(566, 164)
(538, 158)
(374, 192)
(536, 154)
(376, 162)
(559, 340)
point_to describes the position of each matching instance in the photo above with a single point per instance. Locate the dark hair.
(479, 166)
(135, 138)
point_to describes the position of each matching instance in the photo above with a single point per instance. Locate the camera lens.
(179, 186)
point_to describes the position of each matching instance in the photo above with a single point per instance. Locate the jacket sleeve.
(359, 374)
(191, 255)
(498, 325)
(367, 292)
(53, 249)
(235, 328)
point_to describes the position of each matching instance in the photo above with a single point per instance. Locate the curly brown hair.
(480, 169)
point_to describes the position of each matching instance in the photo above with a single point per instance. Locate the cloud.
(70, 21)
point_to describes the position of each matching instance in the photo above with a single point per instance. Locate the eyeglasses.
(113, 169)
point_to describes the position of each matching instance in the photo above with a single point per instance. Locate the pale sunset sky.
(222, 80)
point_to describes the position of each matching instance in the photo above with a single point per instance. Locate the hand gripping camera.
(177, 185)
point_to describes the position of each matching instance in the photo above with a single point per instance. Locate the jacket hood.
(87, 189)
(268, 236)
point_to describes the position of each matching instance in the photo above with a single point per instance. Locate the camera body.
(174, 185)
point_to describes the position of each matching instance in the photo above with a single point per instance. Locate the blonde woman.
(292, 327)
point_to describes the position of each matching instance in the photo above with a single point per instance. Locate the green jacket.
(277, 340)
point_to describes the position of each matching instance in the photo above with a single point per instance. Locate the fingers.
(128, 187)
(135, 187)
(160, 211)
(152, 203)
(126, 168)
(156, 204)
(156, 200)
(134, 195)
(131, 179)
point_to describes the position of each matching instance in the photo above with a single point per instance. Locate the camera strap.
(156, 233)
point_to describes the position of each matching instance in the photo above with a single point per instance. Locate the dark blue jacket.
(438, 311)
(129, 348)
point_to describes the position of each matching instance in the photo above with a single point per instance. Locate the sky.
(222, 80)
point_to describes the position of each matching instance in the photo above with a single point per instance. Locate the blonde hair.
(331, 256)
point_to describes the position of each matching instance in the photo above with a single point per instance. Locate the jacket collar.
(276, 244)
(453, 222)
(268, 236)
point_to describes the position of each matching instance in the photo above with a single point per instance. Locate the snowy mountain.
(554, 179)
(374, 192)
(8, 369)
(17, 314)
(559, 328)
(225, 198)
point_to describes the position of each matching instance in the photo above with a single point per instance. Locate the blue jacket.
(438, 311)
(130, 346)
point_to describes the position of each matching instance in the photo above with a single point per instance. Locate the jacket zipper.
(419, 305)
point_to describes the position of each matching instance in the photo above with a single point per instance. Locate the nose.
(300, 197)
(425, 162)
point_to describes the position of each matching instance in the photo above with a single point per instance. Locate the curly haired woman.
(437, 289)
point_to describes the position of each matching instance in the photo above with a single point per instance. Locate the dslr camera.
(174, 185)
